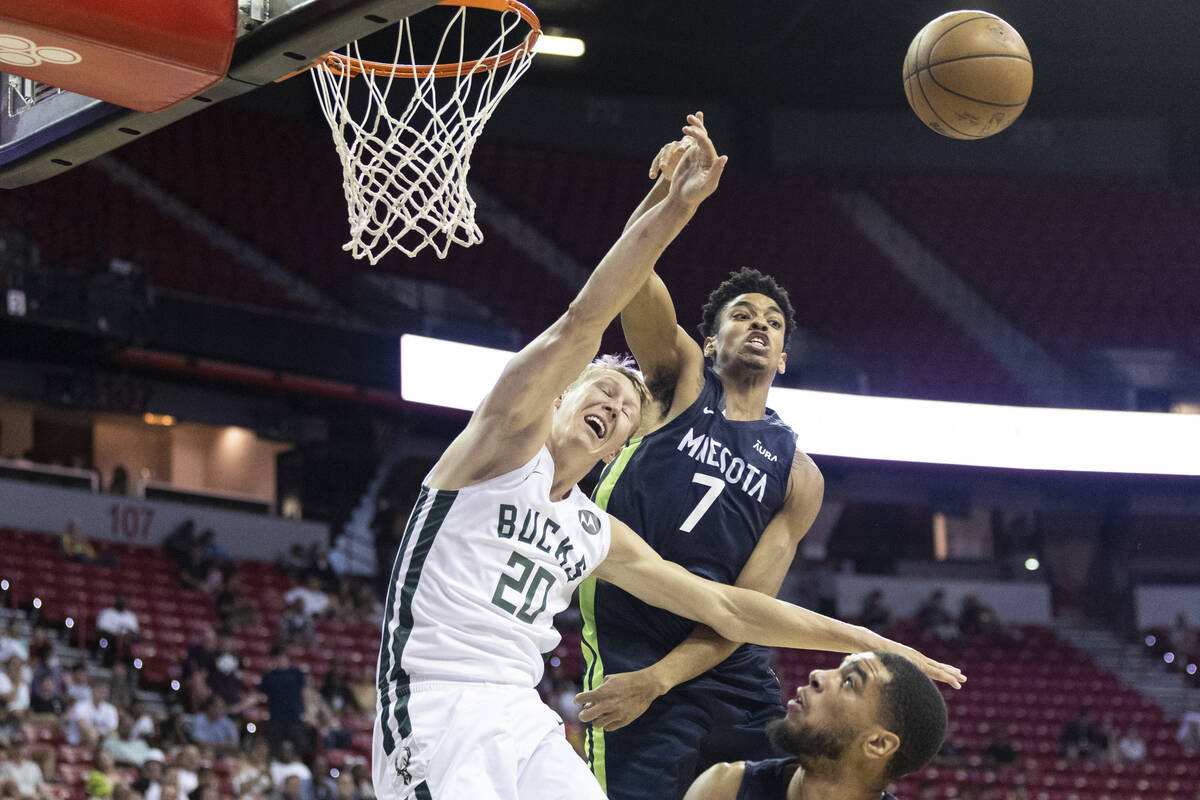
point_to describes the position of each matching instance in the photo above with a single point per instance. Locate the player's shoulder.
(721, 781)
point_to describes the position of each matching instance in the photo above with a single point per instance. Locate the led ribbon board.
(451, 375)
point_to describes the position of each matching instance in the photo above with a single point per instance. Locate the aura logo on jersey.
(17, 51)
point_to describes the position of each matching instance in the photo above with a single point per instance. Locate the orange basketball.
(968, 74)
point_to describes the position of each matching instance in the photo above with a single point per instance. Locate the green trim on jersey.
(593, 666)
(389, 657)
(421, 790)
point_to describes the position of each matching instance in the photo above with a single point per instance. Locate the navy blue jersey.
(768, 780)
(700, 491)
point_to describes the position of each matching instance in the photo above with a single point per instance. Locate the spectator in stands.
(231, 609)
(295, 626)
(320, 568)
(214, 727)
(1188, 733)
(120, 480)
(1183, 637)
(207, 787)
(14, 687)
(143, 723)
(336, 689)
(121, 686)
(187, 769)
(367, 607)
(1000, 752)
(282, 687)
(92, 720)
(1079, 735)
(253, 777)
(288, 765)
(875, 615)
(77, 547)
(320, 717)
(149, 782)
(323, 786)
(1131, 747)
(292, 789)
(366, 690)
(179, 541)
(118, 628)
(79, 685)
(346, 790)
(20, 775)
(362, 778)
(194, 568)
(13, 642)
(102, 781)
(934, 617)
(315, 601)
(173, 732)
(125, 747)
(46, 699)
(225, 674)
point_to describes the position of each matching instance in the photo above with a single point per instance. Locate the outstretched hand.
(699, 168)
(935, 670)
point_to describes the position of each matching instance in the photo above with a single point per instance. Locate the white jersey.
(480, 574)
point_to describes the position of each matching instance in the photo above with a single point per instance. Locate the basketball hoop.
(405, 175)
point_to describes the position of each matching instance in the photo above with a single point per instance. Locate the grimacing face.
(599, 415)
(751, 333)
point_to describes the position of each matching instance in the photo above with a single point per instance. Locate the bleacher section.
(1023, 693)
(82, 220)
(1078, 264)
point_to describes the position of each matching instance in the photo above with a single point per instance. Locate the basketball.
(968, 75)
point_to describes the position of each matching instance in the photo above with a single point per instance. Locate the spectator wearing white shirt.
(92, 720)
(13, 643)
(23, 772)
(14, 686)
(1131, 746)
(188, 769)
(1188, 734)
(118, 627)
(315, 601)
(289, 765)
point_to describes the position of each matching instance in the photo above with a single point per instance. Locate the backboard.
(44, 131)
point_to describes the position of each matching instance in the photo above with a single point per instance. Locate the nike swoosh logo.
(707, 410)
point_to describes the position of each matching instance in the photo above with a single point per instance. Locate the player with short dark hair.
(848, 732)
(714, 482)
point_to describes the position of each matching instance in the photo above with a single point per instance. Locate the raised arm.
(742, 615)
(671, 360)
(512, 421)
(623, 697)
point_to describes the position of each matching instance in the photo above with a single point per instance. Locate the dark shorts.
(658, 755)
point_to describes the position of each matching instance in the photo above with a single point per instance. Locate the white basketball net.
(405, 176)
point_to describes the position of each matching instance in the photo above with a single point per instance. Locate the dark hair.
(911, 707)
(744, 281)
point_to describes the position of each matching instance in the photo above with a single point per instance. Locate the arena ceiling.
(1117, 57)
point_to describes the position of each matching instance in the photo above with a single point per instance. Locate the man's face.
(833, 710)
(750, 335)
(597, 416)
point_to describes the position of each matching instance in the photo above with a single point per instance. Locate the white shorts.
(479, 741)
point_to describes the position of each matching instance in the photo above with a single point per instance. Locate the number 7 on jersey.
(715, 485)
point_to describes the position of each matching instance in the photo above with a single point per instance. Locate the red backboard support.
(146, 55)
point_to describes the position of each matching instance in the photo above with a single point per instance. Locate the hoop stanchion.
(405, 174)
